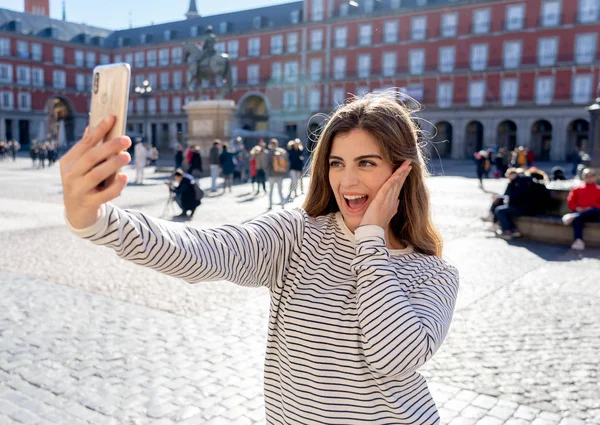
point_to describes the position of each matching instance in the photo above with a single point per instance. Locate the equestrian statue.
(207, 65)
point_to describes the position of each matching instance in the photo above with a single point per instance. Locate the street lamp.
(144, 91)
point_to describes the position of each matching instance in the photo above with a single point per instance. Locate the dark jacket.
(296, 158)
(196, 162)
(186, 194)
(528, 195)
(213, 156)
(227, 162)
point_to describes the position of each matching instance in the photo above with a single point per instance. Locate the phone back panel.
(110, 96)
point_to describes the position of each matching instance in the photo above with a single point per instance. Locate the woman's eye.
(335, 164)
(366, 164)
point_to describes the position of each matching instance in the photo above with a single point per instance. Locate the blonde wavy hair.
(391, 124)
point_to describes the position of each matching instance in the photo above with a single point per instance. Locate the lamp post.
(144, 91)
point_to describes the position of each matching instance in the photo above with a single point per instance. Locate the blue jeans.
(593, 214)
(505, 215)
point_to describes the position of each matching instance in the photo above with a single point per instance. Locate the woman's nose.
(350, 177)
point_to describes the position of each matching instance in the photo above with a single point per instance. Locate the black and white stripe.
(350, 320)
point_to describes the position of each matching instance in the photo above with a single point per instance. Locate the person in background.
(500, 165)
(278, 165)
(140, 154)
(215, 164)
(33, 152)
(295, 152)
(576, 159)
(185, 194)
(252, 169)
(261, 166)
(14, 147)
(519, 157)
(584, 201)
(195, 168)
(480, 163)
(530, 157)
(227, 162)
(558, 173)
(179, 157)
(153, 156)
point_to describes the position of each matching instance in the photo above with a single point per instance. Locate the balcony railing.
(448, 31)
(550, 20)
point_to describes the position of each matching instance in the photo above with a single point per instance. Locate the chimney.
(192, 11)
(38, 7)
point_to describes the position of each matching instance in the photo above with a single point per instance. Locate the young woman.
(360, 296)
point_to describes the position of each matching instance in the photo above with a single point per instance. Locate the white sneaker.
(567, 219)
(578, 245)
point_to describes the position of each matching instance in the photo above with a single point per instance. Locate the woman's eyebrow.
(359, 158)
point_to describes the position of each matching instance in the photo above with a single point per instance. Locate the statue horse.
(213, 68)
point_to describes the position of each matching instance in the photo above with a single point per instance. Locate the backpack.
(280, 162)
(198, 193)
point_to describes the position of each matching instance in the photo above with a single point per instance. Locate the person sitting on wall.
(585, 202)
(185, 194)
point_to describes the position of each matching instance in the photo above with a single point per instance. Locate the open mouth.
(355, 203)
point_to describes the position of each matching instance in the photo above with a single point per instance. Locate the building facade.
(489, 73)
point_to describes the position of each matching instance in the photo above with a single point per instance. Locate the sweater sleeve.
(400, 330)
(572, 199)
(254, 254)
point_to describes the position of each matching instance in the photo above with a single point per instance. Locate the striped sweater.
(350, 322)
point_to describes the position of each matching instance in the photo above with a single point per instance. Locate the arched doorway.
(507, 135)
(442, 142)
(577, 136)
(473, 138)
(253, 113)
(60, 110)
(541, 140)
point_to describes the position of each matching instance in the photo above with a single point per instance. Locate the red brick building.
(489, 73)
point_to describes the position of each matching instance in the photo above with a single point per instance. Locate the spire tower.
(192, 11)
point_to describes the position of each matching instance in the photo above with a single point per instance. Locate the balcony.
(550, 20)
(448, 31)
(586, 16)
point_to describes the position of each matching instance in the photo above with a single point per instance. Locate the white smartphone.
(110, 96)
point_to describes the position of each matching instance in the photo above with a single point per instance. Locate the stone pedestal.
(594, 111)
(209, 120)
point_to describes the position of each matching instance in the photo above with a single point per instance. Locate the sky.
(114, 14)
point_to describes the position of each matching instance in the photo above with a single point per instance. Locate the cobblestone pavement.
(86, 338)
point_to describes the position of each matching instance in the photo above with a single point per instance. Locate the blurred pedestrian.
(179, 157)
(295, 152)
(214, 164)
(278, 166)
(195, 168)
(227, 162)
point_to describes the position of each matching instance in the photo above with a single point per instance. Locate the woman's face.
(357, 169)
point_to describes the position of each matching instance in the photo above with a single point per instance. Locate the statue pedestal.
(209, 120)
(594, 138)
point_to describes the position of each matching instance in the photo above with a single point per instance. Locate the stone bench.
(550, 229)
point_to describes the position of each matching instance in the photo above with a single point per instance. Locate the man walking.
(141, 157)
(278, 165)
(214, 161)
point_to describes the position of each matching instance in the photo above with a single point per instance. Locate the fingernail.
(108, 119)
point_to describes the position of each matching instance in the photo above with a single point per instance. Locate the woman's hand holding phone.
(86, 166)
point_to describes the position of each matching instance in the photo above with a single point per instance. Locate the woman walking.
(227, 159)
(296, 157)
(360, 296)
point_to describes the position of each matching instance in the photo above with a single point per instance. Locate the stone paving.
(86, 338)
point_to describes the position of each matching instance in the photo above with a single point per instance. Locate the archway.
(442, 142)
(541, 140)
(507, 135)
(473, 138)
(60, 109)
(253, 113)
(577, 136)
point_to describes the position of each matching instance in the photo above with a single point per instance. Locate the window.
(60, 79)
(395, 4)
(177, 55)
(295, 16)
(479, 54)
(104, 59)
(6, 73)
(25, 101)
(150, 57)
(419, 28)
(129, 58)
(139, 80)
(317, 10)
(139, 59)
(164, 105)
(4, 47)
(512, 54)
(515, 17)
(582, 88)
(7, 100)
(314, 99)
(449, 24)
(364, 66)
(390, 31)
(446, 59)
(23, 75)
(276, 71)
(315, 69)
(389, 64)
(509, 92)
(90, 59)
(362, 91)
(547, 48)
(316, 40)
(292, 42)
(163, 57)
(481, 21)
(88, 80)
(177, 80)
(194, 32)
(80, 82)
(588, 11)
(551, 13)
(164, 80)
(290, 100)
(177, 105)
(364, 34)
(130, 106)
(585, 48)
(339, 67)
(338, 96)
(341, 37)
(291, 72)
(234, 75)
(139, 106)
(152, 106)
(369, 5)
(37, 77)
(277, 44)
(58, 55)
(220, 47)
(23, 49)
(254, 46)
(476, 93)
(223, 27)
(544, 90)
(36, 51)
(118, 58)
(253, 74)
(233, 48)
(79, 58)
(416, 60)
(445, 94)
